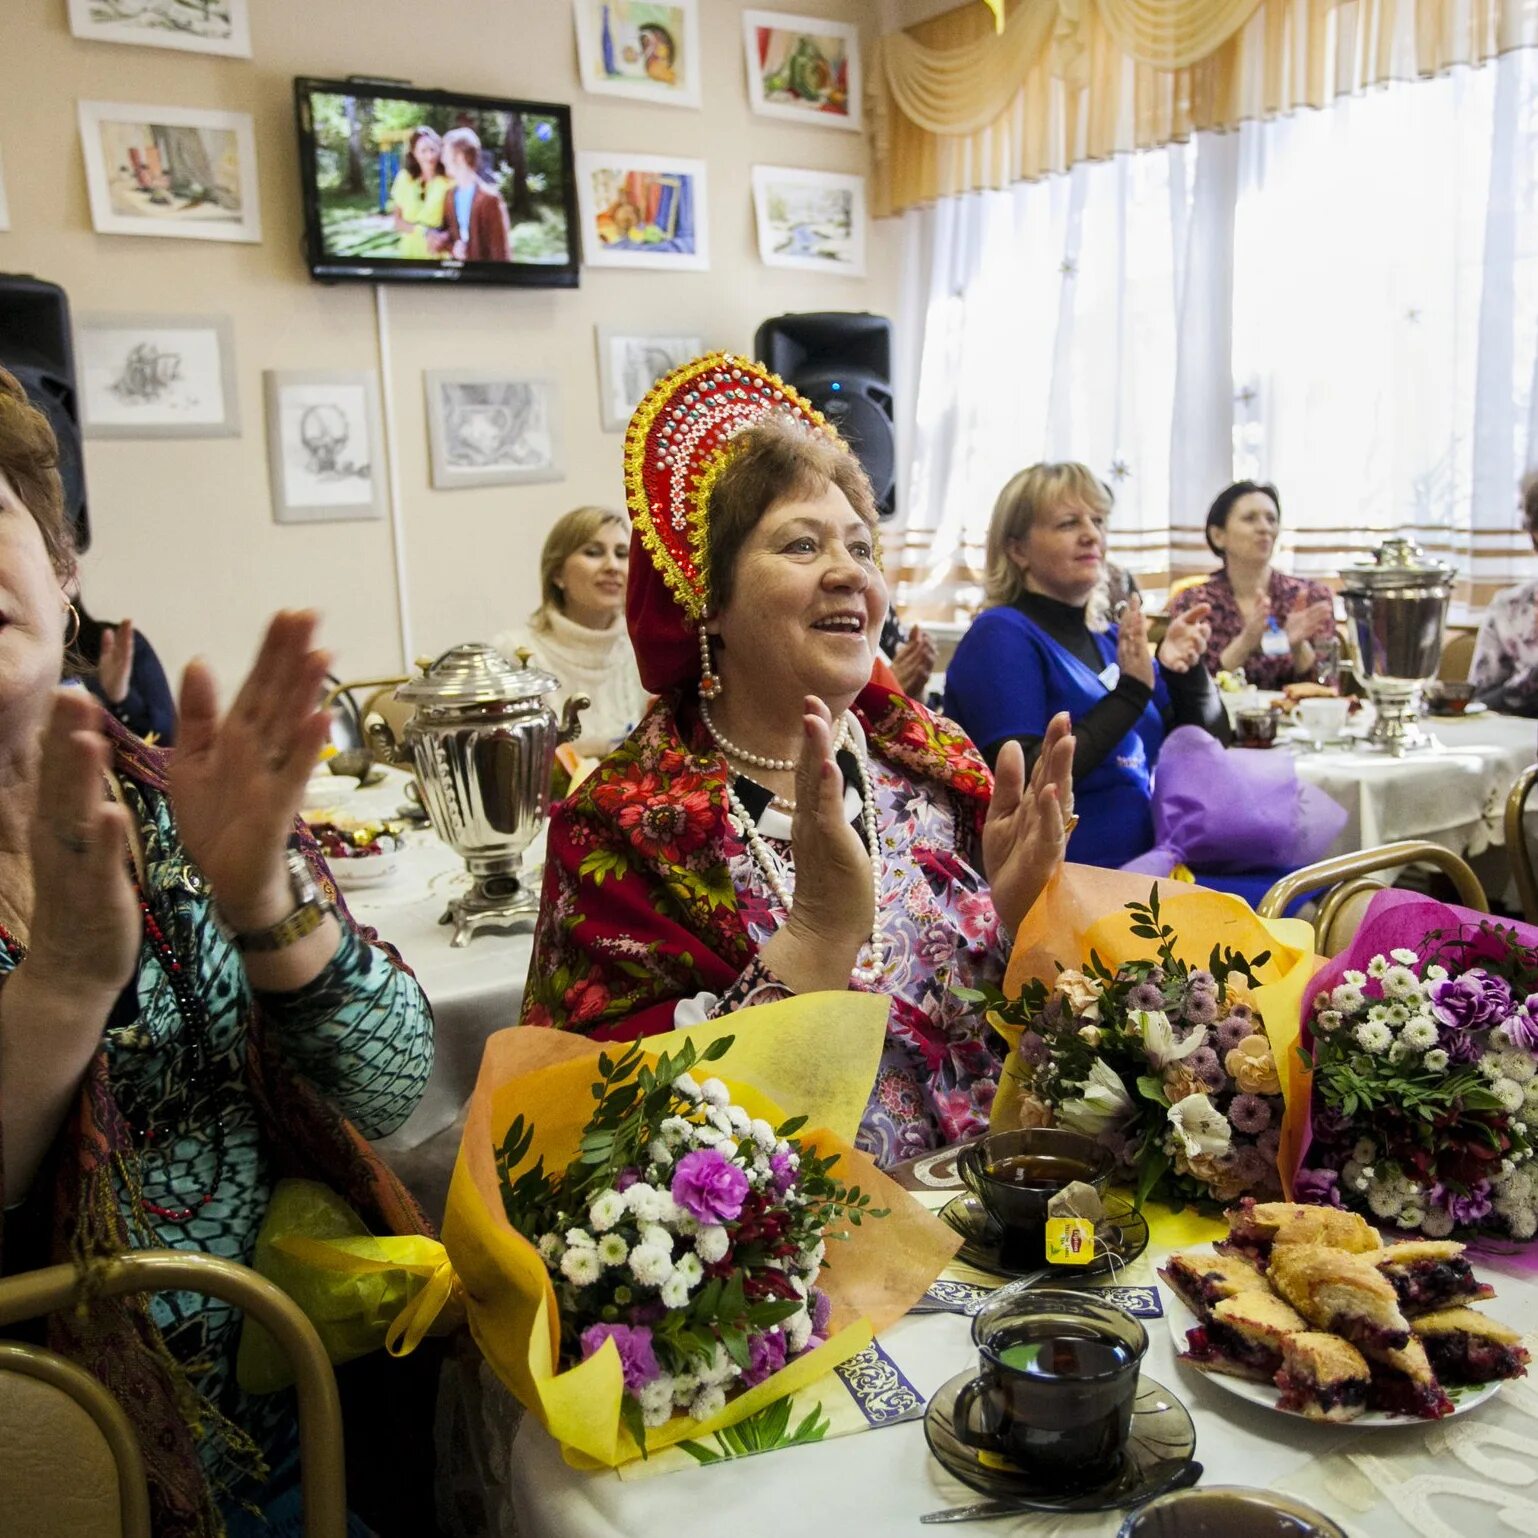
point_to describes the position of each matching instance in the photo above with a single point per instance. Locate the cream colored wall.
(184, 537)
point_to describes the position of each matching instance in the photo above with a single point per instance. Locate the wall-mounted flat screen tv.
(435, 187)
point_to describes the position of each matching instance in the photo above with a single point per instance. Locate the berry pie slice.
(1342, 1293)
(1323, 1377)
(1202, 1281)
(1430, 1274)
(1465, 1346)
(1243, 1337)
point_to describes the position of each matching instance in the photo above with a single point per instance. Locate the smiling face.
(428, 156)
(1249, 533)
(33, 612)
(806, 606)
(592, 579)
(1062, 554)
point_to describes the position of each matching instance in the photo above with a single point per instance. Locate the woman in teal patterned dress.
(187, 1011)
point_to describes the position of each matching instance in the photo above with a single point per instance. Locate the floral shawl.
(639, 909)
(115, 1339)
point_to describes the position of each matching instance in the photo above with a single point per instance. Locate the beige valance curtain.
(957, 107)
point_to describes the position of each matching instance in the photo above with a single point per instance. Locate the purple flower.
(1331, 1123)
(781, 1176)
(1474, 1002)
(635, 1351)
(766, 1355)
(708, 1186)
(821, 1310)
(1205, 1065)
(1317, 1187)
(1233, 1030)
(1033, 1049)
(1522, 1026)
(1270, 1143)
(1253, 1167)
(1200, 1007)
(1249, 1113)
(627, 1178)
(1463, 1208)
(1145, 995)
(1201, 978)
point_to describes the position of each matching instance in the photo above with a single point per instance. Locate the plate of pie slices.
(1251, 1345)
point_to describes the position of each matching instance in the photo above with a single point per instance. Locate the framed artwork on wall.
(324, 443)
(804, 68)
(631, 362)
(492, 429)
(196, 26)
(643, 49)
(156, 376)
(642, 211)
(175, 171)
(5, 207)
(813, 221)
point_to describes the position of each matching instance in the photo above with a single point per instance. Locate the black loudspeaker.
(35, 346)
(843, 365)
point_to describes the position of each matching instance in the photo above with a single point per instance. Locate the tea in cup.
(1323, 719)
(1016, 1174)
(1059, 1373)
(1227, 1511)
(1255, 728)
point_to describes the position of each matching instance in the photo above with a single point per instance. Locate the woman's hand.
(85, 920)
(1185, 642)
(1310, 622)
(835, 906)
(1025, 836)
(914, 661)
(1132, 652)
(115, 665)
(237, 781)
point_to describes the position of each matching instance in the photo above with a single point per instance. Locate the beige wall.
(184, 537)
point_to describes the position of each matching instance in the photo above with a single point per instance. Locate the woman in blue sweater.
(1039, 648)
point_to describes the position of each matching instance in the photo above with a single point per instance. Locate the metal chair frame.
(1518, 850)
(1350, 869)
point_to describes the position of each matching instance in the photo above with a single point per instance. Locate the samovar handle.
(570, 726)
(386, 749)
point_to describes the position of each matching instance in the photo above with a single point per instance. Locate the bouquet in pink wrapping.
(1422, 1039)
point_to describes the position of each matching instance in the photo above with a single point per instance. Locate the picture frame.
(325, 444)
(156, 376)
(645, 50)
(805, 69)
(192, 26)
(492, 429)
(181, 172)
(810, 221)
(646, 211)
(630, 362)
(5, 207)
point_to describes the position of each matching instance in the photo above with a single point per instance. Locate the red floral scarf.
(638, 909)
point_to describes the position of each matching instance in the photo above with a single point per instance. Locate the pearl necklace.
(773, 868)
(784, 765)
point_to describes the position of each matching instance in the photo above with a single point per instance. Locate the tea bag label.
(1070, 1241)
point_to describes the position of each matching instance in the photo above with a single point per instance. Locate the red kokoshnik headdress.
(678, 443)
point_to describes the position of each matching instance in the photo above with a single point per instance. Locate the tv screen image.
(411, 185)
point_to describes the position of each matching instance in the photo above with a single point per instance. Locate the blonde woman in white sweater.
(578, 632)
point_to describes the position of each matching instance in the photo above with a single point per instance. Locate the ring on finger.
(277, 762)
(1070, 823)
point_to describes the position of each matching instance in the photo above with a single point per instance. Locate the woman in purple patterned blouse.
(1505, 667)
(1262, 620)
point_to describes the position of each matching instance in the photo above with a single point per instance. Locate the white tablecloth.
(474, 990)
(1436, 1480)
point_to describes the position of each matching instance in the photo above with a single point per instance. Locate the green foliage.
(762, 1433)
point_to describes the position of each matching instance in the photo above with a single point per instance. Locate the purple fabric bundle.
(1233, 810)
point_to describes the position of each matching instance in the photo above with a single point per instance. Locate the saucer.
(1442, 713)
(1162, 1443)
(1118, 1241)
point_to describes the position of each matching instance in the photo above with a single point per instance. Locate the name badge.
(1111, 675)
(1274, 642)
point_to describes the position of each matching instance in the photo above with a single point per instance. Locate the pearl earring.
(710, 682)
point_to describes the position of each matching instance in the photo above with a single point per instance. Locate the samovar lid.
(475, 674)
(1396, 563)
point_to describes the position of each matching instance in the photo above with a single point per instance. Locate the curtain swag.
(958, 106)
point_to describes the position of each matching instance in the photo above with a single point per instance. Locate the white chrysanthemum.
(1516, 1064)
(1398, 1014)
(1509, 1093)
(1352, 978)
(674, 1292)
(742, 1123)
(659, 1153)
(581, 1267)
(1420, 1034)
(686, 1087)
(675, 1130)
(1489, 1065)
(714, 1093)
(644, 1201)
(606, 1211)
(1379, 1013)
(685, 1386)
(708, 1402)
(688, 1267)
(810, 1259)
(1436, 1060)
(1348, 999)
(798, 1330)
(719, 1120)
(650, 1266)
(1405, 958)
(1386, 1198)
(1437, 1224)
(612, 1249)
(1523, 1221)
(656, 1234)
(1328, 1020)
(763, 1134)
(1377, 966)
(1401, 983)
(1436, 973)
(1400, 1052)
(550, 1248)
(656, 1400)
(1364, 1150)
(579, 1239)
(1374, 1036)
(728, 1147)
(720, 1368)
(1530, 1095)
(1411, 1216)
(711, 1243)
(708, 1137)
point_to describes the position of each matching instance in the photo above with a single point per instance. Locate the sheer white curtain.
(1345, 302)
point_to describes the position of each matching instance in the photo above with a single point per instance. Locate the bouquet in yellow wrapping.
(651, 1250)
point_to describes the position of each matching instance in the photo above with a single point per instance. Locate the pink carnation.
(709, 1187)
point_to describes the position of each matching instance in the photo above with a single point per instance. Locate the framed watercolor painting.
(195, 26)
(642, 211)
(642, 49)
(156, 376)
(173, 171)
(492, 429)
(631, 362)
(813, 221)
(324, 445)
(804, 68)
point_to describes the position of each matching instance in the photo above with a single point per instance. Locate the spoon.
(1173, 1474)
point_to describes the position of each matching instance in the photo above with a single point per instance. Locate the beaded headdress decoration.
(678, 443)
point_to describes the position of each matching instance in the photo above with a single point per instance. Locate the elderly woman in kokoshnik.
(777, 824)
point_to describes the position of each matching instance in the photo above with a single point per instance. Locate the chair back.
(1457, 656)
(1352, 882)
(1518, 850)
(91, 1422)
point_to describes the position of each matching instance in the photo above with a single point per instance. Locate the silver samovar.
(482, 741)
(1395, 611)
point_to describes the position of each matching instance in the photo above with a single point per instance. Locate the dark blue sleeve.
(148, 706)
(996, 684)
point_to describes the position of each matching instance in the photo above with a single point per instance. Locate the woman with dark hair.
(1262, 620)
(1504, 671)
(123, 672)
(418, 194)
